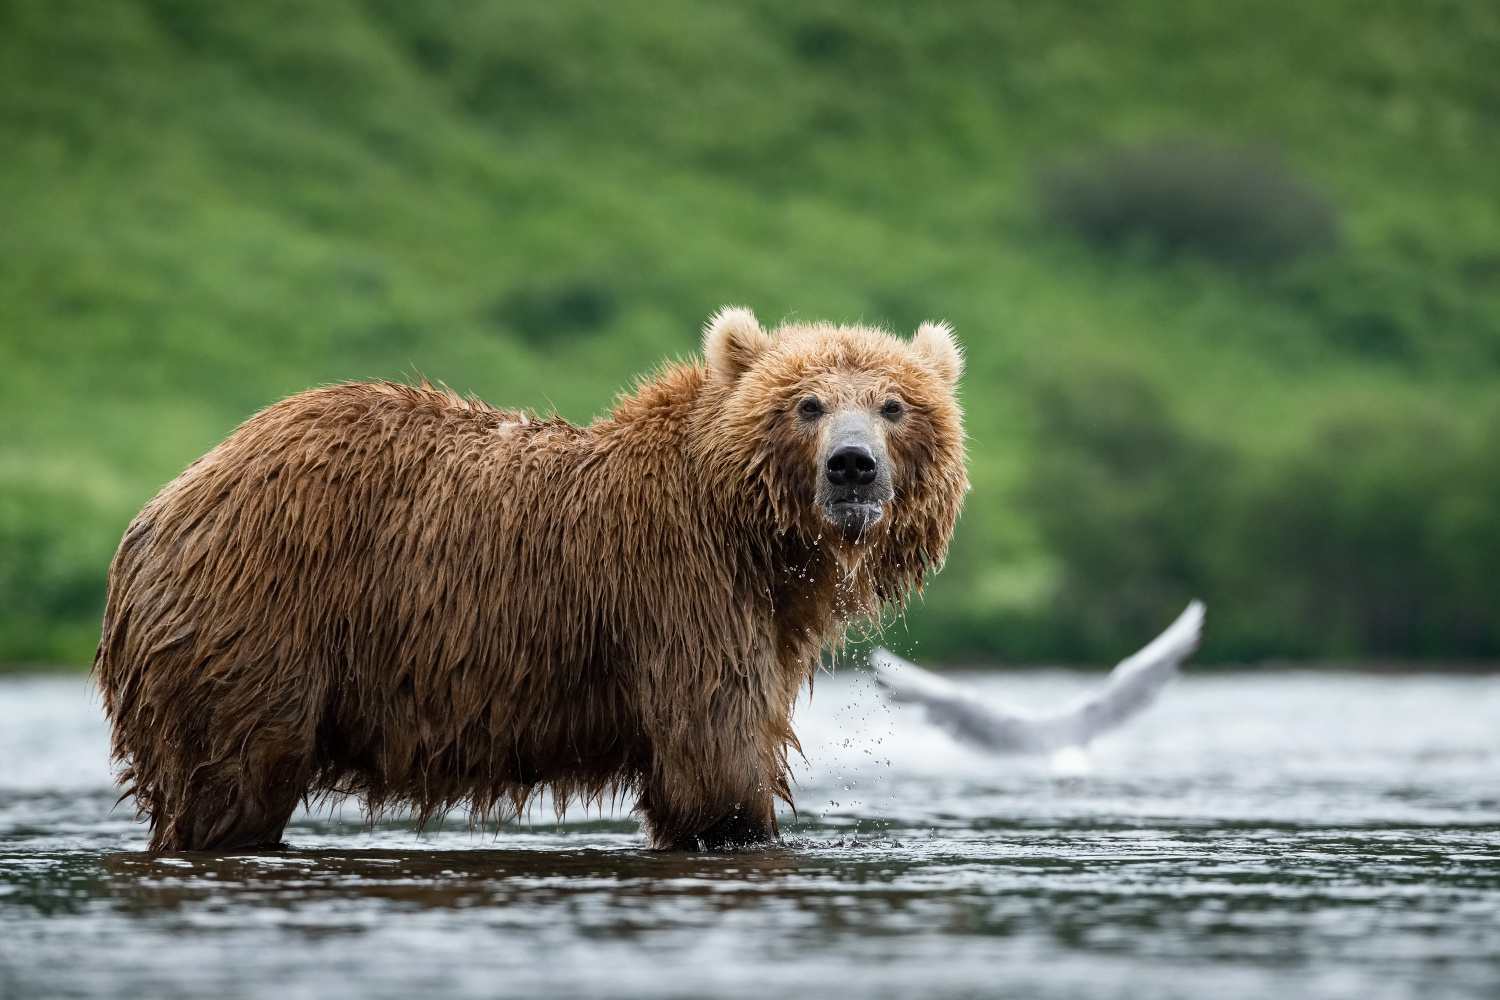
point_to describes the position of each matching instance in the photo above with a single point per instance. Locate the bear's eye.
(810, 407)
(892, 409)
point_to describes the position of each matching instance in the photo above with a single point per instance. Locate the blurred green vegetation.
(205, 207)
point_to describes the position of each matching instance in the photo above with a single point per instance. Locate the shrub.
(1127, 501)
(545, 313)
(1406, 301)
(53, 553)
(1234, 206)
(1380, 537)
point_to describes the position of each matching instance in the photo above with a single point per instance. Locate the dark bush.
(1380, 537)
(507, 84)
(1234, 206)
(1127, 501)
(1405, 301)
(823, 41)
(545, 313)
(52, 571)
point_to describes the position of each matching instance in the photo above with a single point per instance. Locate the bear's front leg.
(749, 824)
(701, 808)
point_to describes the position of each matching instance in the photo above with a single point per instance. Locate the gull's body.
(1063, 733)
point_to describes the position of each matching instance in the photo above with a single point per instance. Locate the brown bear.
(392, 592)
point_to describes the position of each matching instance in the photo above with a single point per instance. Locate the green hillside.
(205, 207)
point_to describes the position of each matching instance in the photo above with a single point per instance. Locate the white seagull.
(1063, 734)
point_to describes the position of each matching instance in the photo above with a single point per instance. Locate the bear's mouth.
(854, 513)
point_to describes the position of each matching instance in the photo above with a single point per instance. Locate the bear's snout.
(855, 480)
(852, 465)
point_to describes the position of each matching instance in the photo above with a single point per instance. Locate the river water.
(1252, 835)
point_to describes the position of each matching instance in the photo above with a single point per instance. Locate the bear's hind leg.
(236, 804)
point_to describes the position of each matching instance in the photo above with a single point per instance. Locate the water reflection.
(1316, 836)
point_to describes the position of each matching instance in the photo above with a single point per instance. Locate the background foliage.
(1228, 273)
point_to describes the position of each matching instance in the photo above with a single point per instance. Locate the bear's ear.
(732, 341)
(936, 341)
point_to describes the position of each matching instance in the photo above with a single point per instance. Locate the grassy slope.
(203, 211)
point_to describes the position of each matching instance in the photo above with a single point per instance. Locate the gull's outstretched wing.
(1138, 679)
(1130, 687)
(958, 708)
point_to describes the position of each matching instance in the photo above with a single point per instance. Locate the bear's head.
(852, 437)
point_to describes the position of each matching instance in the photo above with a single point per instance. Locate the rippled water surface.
(1252, 835)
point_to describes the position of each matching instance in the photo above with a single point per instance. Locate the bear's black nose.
(851, 465)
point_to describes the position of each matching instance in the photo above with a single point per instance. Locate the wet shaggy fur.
(392, 592)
